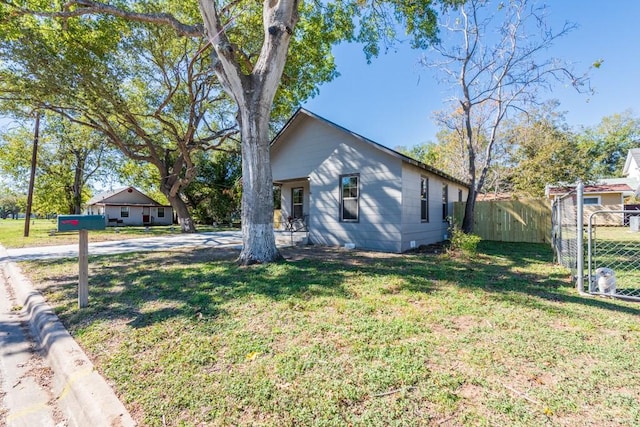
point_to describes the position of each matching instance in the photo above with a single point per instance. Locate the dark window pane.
(350, 209)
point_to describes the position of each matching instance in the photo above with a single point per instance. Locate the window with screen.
(349, 198)
(297, 201)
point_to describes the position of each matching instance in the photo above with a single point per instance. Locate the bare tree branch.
(496, 75)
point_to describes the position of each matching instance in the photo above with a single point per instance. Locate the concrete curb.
(82, 393)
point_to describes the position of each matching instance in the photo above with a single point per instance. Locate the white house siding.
(129, 196)
(435, 229)
(167, 219)
(134, 218)
(309, 142)
(135, 215)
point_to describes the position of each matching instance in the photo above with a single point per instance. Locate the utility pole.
(34, 157)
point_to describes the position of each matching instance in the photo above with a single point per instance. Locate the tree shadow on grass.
(510, 283)
(143, 289)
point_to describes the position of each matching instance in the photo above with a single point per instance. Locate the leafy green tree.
(69, 159)
(545, 151)
(215, 194)
(248, 44)
(427, 153)
(148, 93)
(11, 203)
(608, 143)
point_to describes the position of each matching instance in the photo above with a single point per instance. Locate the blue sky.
(392, 100)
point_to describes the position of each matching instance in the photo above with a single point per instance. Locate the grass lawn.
(333, 338)
(12, 233)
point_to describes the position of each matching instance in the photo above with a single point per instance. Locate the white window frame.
(597, 199)
(351, 198)
(297, 204)
(124, 211)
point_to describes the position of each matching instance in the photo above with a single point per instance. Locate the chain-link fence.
(564, 233)
(614, 255)
(612, 252)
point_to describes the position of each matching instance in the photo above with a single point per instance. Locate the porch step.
(286, 238)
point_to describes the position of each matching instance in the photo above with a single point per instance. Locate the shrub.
(462, 242)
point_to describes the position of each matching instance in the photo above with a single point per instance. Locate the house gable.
(321, 145)
(632, 164)
(128, 196)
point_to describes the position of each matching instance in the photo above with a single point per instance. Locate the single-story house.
(129, 206)
(350, 190)
(603, 195)
(607, 193)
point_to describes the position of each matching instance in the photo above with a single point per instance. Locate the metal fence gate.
(607, 261)
(564, 231)
(613, 255)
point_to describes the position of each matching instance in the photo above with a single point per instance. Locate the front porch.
(290, 231)
(291, 221)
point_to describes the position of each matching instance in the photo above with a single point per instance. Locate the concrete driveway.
(212, 239)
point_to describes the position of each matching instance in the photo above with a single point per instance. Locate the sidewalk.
(47, 380)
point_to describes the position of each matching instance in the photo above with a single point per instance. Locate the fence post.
(580, 238)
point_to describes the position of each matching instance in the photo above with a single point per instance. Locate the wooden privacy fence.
(525, 220)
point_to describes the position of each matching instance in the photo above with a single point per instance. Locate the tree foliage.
(544, 151)
(69, 160)
(216, 192)
(148, 93)
(11, 202)
(607, 144)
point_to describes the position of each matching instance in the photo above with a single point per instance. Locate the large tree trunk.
(470, 208)
(254, 94)
(181, 210)
(469, 212)
(258, 239)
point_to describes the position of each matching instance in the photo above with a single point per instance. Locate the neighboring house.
(129, 206)
(601, 195)
(351, 190)
(608, 193)
(632, 169)
(597, 197)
